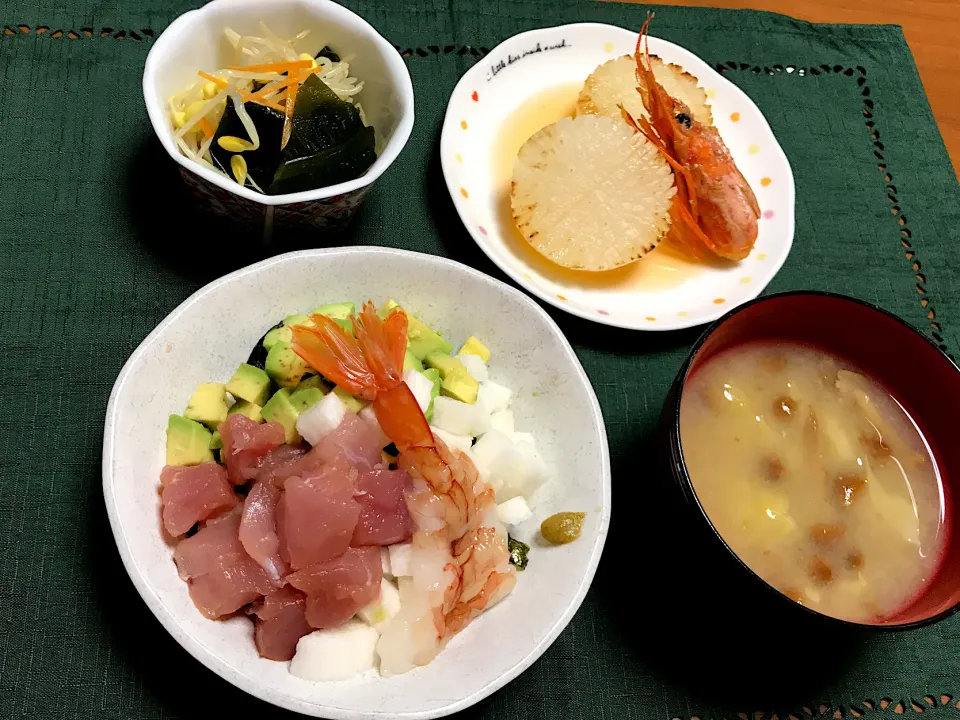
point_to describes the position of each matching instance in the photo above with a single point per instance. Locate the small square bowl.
(195, 41)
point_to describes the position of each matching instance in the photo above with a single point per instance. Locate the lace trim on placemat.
(934, 328)
(85, 32)
(867, 708)
(822, 710)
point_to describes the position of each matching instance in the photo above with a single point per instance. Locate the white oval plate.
(213, 331)
(488, 119)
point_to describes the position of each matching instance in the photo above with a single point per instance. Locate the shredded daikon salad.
(267, 70)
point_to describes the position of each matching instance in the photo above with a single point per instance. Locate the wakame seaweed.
(328, 144)
(518, 553)
(327, 53)
(258, 356)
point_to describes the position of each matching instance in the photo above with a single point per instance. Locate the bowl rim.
(678, 462)
(398, 75)
(448, 128)
(209, 658)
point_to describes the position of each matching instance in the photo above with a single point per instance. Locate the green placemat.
(97, 246)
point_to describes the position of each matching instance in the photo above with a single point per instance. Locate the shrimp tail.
(335, 355)
(383, 344)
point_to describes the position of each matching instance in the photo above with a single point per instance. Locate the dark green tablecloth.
(97, 245)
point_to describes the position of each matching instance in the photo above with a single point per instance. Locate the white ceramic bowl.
(488, 119)
(214, 330)
(194, 41)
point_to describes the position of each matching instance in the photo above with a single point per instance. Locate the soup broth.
(816, 477)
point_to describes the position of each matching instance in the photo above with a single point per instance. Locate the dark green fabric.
(97, 246)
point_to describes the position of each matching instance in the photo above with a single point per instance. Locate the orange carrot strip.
(206, 126)
(220, 83)
(251, 97)
(288, 114)
(279, 67)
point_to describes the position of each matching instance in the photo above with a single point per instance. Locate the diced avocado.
(433, 375)
(474, 347)
(351, 401)
(412, 361)
(340, 310)
(460, 385)
(421, 340)
(387, 307)
(284, 366)
(443, 362)
(280, 334)
(279, 409)
(216, 442)
(247, 409)
(208, 404)
(250, 383)
(313, 381)
(188, 442)
(302, 399)
(297, 320)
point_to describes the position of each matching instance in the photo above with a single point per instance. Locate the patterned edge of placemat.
(933, 327)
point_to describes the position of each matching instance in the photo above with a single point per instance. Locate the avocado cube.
(433, 375)
(280, 334)
(340, 310)
(297, 320)
(284, 366)
(412, 361)
(461, 386)
(250, 383)
(352, 402)
(279, 409)
(387, 308)
(188, 442)
(208, 404)
(247, 409)
(474, 347)
(313, 381)
(303, 398)
(421, 340)
(216, 442)
(444, 362)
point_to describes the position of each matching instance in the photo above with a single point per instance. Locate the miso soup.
(816, 477)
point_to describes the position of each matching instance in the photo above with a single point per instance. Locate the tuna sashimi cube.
(226, 590)
(222, 577)
(281, 622)
(356, 439)
(384, 518)
(192, 494)
(258, 529)
(281, 464)
(317, 514)
(338, 588)
(246, 445)
(215, 546)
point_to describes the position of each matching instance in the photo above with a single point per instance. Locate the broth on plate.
(815, 477)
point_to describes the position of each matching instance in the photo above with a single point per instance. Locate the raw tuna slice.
(338, 588)
(281, 464)
(225, 591)
(258, 529)
(222, 577)
(246, 445)
(357, 440)
(384, 518)
(192, 494)
(214, 547)
(317, 514)
(281, 622)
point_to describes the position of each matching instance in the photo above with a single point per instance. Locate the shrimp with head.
(460, 558)
(714, 208)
